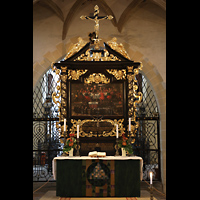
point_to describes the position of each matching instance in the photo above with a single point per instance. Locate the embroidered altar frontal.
(98, 178)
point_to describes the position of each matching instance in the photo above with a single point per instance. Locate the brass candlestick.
(117, 147)
(130, 141)
(77, 147)
(65, 135)
(151, 192)
(129, 136)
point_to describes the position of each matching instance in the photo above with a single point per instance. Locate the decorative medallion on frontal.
(98, 174)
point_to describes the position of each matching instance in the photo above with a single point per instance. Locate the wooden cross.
(96, 19)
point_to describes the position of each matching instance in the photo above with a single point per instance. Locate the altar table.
(110, 176)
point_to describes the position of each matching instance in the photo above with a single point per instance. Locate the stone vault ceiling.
(66, 10)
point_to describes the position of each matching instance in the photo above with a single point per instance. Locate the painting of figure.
(97, 99)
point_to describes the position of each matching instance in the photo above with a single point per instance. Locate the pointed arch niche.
(153, 80)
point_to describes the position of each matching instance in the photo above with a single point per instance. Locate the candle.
(129, 120)
(64, 124)
(151, 176)
(117, 135)
(77, 131)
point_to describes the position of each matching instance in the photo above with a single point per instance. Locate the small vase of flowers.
(125, 146)
(70, 144)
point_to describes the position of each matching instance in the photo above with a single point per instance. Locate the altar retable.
(97, 81)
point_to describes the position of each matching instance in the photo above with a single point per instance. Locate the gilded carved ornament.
(96, 78)
(97, 56)
(134, 97)
(112, 132)
(74, 48)
(75, 74)
(118, 74)
(64, 78)
(118, 47)
(58, 87)
(57, 96)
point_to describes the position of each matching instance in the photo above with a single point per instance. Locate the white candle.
(64, 124)
(151, 176)
(77, 131)
(117, 135)
(129, 120)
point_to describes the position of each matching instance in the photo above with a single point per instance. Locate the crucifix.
(96, 19)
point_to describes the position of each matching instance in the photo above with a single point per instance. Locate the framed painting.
(97, 99)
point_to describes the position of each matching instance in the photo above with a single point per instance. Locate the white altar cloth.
(100, 158)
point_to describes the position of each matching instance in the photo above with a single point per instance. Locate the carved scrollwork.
(64, 78)
(96, 78)
(118, 74)
(134, 97)
(75, 74)
(57, 96)
(61, 93)
(97, 56)
(118, 47)
(75, 47)
(110, 130)
(58, 87)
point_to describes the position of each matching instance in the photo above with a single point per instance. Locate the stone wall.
(143, 34)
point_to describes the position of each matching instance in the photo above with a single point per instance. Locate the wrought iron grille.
(148, 107)
(43, 107)
(147, 141)
(46, 144)
(147, 146)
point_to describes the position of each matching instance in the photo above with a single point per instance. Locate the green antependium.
(123, 143)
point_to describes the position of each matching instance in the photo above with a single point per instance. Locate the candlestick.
(151, 192)
(129, 120)
(64, 124)
(117, 147)
(77, 131)
(65, 135)
(117, 134)
(78, 147)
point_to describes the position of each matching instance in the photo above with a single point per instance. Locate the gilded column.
(63, 111)
(134, 97)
